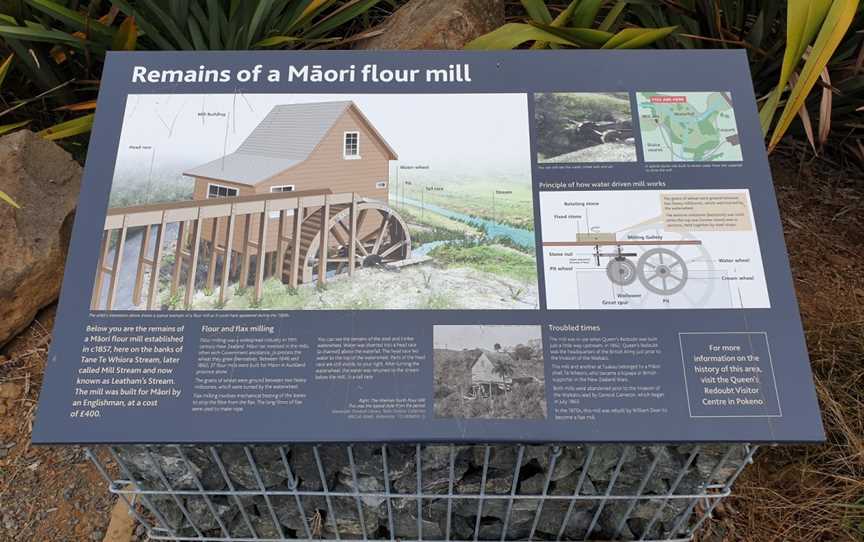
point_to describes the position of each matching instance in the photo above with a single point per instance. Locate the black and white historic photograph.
(489, 371)
(579, 127)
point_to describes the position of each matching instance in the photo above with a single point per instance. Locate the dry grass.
(816, 493)
(46, 492)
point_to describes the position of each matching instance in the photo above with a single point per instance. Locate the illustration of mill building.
(309, 151)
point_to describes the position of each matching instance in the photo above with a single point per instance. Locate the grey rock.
(497, 482)
(533, 485)
(44, 180)
(204, 517)
(435, 468)
(568, 485)
(267, 464)
(152, 465)
(305, 467)
(364, 484)
(404, 513)
(264, 527)
(432, 24)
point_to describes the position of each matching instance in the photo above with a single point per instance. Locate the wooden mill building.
(322, 147)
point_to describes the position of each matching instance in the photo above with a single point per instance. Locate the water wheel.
(381, 237)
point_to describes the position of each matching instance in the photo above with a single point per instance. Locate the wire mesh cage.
(425, 492)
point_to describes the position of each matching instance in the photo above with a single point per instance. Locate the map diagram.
(688, 127)
(652, 249)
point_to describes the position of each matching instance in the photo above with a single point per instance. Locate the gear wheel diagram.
(621, 271)
(662, 271)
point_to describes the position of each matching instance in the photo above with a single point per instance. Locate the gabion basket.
(429, 492)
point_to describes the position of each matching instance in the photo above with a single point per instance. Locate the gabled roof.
(496, 357)
(287, 136)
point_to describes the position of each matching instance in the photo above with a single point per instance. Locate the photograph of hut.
(489, 371)
(580, 127)
(269, 202)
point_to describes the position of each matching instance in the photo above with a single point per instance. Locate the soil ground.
(806, 494)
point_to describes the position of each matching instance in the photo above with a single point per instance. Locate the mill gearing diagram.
(652, 249)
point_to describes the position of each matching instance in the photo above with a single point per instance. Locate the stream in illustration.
(524, 238)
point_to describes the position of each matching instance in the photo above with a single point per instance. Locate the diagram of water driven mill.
(634, 249)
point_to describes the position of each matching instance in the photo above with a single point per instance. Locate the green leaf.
(634, 38)
(4, 67)
(7, 199)
(261, 11)
(803, 20)
(126, 36)
(180, 11)
(587, 37)
(559, 21)
(169, 24)
(586, 13)
(76, 126)
(512, 35)
(564, 17)
(195, 33)
(6, 128)
(835, 25)
(347, 12)
(612, 17)
(71, 18)
(538, 11)
(214, 15)
(39, 35)
(273, 41)
(312, 9)
(146, 28)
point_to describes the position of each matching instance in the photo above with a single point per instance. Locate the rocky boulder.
(432, 24)
(44, 180)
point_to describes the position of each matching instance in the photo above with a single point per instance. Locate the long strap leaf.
(633, 38)
(803, 20)
(347, 12)
(6, 128)
(71, 18)
(76, 126)
(148, 29)
(5, 197)
(538, 11)
(512, 35)
(586, 13)
(4, 68)
(836, 24)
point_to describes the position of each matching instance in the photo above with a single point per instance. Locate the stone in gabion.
(358, 505)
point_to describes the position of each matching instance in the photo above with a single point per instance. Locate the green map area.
(688, 127)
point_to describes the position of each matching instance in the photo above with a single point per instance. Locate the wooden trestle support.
(301, 237)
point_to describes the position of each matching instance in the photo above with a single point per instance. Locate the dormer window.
(351, 148)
